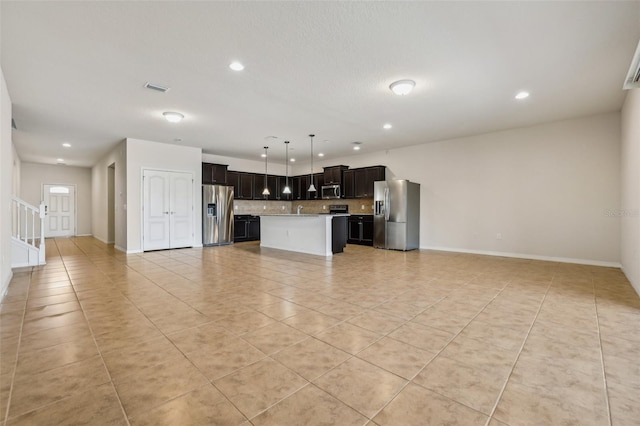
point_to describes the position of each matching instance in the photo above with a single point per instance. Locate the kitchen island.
(319, 234)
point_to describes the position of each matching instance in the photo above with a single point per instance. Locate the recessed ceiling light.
(60, 160)
(356, 145)
(66, 145)
(236, 66)
(293, 160)
(320, 154)
(173, 117)
(522, 95)
(356, 148)
(387, 126)
(263, 155)
(402, 87)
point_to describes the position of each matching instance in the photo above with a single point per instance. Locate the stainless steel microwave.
(330, 191)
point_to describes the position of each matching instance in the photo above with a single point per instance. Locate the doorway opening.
(111, 204)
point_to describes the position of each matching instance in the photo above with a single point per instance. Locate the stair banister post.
(41, 252)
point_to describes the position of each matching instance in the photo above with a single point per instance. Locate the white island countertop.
(303, 233)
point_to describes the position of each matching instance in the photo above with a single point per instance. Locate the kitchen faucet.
(299, 208)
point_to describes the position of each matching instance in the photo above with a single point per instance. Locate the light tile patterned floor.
(239, 335)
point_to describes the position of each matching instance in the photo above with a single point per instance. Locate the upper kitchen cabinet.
(258, 187)
(214, 174)
(242, 185)
(282, 182)
(333, 175)
(348, 188)
(318, 181)
(358, 183)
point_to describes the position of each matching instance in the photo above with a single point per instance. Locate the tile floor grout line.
(504, 385)
(602, 362)
(15, 364)
(410, 381)
(93, 336)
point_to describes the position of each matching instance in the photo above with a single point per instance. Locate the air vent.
(633, 76)
(156, 87)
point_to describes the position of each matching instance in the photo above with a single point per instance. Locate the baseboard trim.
(528, 256)
(103, 241)
(84, 235)
(5, 285)
(635, 285)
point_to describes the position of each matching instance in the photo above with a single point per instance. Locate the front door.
(60, 202)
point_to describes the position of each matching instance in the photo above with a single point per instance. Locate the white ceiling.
(76, 70)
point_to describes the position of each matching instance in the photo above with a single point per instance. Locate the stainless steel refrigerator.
(217, 215)
(396, 218)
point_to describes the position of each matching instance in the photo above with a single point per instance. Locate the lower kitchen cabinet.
(338, 234)
(246, 227)
(360, 230)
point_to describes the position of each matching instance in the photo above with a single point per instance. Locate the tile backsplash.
(359, 206)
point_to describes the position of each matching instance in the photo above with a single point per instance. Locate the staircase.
(27, 234)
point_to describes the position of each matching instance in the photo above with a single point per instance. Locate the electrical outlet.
(498, 236)
(235, 207)
(264, 207)
(324, 207)
(283, 207)
(362, 207)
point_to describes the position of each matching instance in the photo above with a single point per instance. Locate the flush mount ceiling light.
(312, 187)
(402, 87)
(173, 117)
(320, 154)
(236, 66)
(156, 87)
(522, 95)
(66, 145)
(265, 191)
(293, 160)
(387, 126)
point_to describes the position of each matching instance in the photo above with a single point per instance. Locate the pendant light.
(312, 187)
(286, 189)
(265, 191)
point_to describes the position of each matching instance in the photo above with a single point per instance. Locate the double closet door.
(167, 209)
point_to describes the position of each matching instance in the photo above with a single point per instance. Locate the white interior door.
(156, 210)
(60, 202)
(181, 210)
(167, 210)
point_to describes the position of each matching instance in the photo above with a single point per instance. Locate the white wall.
(545, 188)
(630, 188)
(34, 175)
(154, 155)
(6, 185)
(242, 165)
(100, 193)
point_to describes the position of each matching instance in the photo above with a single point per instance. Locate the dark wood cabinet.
(360, 230)
(363, 180)
(246, 227)
(318, 181)
(258, 187)
(301, 185)
(242, 185)
(338, 234)
(333, 175)
(348, 184)
(282, 182)
(214, 174)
